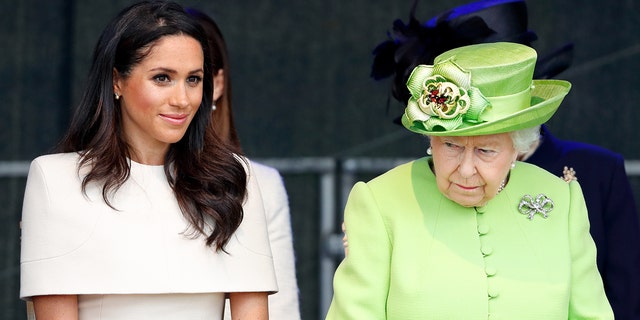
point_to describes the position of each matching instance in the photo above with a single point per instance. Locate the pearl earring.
(429, 151)
(213, 107)
(117, 96)
(513, 165)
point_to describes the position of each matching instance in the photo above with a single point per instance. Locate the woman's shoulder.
(57, 160)
(270, 183)
(264, 172)
(402, 170)
(56, 166)
(532, 172)
(533, 179)
(401, 178)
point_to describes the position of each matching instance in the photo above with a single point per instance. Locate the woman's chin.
(467, 201)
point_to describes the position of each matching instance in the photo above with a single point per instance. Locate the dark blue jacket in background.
(615, 226)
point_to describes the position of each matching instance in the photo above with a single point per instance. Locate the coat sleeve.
(361, 282)
(284, 304)
(622, 262)
(588, 300)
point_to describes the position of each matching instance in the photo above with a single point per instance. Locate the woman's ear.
(218, 85)
(116, 82)
(517, 157)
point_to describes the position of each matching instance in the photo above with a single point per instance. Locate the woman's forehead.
(173, 52)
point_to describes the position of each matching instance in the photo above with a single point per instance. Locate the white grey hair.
(524, 139)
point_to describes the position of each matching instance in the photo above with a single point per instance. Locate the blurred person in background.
(285, 303)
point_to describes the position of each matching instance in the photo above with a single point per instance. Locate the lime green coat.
(414, 254)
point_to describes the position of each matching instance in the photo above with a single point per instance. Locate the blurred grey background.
(303, 100)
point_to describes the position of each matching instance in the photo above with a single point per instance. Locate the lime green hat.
(480, 89)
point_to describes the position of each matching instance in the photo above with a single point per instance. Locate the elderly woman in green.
(468, 232)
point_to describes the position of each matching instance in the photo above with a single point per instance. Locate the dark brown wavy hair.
(208, 180)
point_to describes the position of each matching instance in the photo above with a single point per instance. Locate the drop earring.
(502, 185)
(117, 96)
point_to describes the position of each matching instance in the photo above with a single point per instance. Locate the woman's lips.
(175, 119)
(465, 187)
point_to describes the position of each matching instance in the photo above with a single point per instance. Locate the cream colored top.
(283, 305)
(76, 244)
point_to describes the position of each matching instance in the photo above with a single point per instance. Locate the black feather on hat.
(482, 21)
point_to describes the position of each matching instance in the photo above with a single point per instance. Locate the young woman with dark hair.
(145, 213)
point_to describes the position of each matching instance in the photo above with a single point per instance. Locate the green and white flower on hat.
(442, 97)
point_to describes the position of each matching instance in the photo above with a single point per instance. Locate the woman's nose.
(180, 97)
(467, 167)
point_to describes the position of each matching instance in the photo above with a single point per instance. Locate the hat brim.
(546, 97)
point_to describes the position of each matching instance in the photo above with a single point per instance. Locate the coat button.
(490, 271)
(492, 292)
(483, 229)
(486, 250)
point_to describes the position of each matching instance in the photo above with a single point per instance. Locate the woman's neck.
(148, 157)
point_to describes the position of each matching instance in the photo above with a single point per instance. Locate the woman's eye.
(451, 145)
(486, 151)
(161, 78)
(194, 80)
